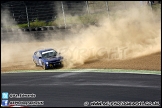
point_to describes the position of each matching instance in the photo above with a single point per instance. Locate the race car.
(47, 58)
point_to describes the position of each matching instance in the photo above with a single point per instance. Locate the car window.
(38, 54)
(50, 53)
(35, 53)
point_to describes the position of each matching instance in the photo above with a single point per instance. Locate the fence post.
(63, 14)
(107, 7)
(125, 5)
(26, 9)
(87, 7)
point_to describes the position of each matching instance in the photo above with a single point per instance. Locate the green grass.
(91, 70)
(36, 23)
(156, 7)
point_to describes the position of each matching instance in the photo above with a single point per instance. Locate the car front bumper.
(52, 65)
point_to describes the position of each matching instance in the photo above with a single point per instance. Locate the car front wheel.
(44, 67)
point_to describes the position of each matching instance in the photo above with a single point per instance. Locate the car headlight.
(47, 63)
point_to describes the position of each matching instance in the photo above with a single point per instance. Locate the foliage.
(22, 25)
(81, 19)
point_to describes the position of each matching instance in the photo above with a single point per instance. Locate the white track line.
(87, 84)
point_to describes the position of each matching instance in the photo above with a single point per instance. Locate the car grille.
(58, 61)
(54, 63)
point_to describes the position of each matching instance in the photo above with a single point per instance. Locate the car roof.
(47, 49)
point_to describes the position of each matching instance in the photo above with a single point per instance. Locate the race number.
(40, 62)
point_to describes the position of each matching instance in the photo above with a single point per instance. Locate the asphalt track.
(76, 89)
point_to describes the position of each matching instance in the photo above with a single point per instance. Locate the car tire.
(62, 65)
(44, 67)
(35, 63)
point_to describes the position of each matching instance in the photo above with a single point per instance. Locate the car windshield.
(49, 53)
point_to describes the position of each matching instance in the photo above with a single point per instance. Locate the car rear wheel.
(61, 65)
(35, 63)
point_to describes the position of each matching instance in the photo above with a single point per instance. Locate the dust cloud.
(130, 33)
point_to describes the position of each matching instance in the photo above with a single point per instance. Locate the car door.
(36, 56)
(39, 58)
